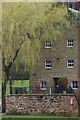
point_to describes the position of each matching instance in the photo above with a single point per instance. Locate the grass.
(18, 83)
(23, 117)
(40, 118)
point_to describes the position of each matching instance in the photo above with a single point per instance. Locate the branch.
(17, 51)
(3, 62)
(75, 96)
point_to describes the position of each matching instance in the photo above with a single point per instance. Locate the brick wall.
(39, 104)
(59, 68)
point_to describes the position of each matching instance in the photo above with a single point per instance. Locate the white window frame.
(47, 44)
(70, 63)
(74, 85)
(70, 44)
(44, 85)
(47, 64)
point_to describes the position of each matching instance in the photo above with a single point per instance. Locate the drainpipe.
(68, 3)
(50, 91)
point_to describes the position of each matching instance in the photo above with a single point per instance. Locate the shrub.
(15, 112)
(11, 112)
(63, 82)
(47, 113)
(64, 113)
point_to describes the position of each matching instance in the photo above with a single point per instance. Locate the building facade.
(58, 58)
(73, 5)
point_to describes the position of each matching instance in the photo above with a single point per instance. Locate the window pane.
(70, 63)
(48, 64)
(75, 84)
(48, 44)
(69, 43)
(43, 85)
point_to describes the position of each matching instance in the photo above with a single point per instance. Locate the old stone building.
(73, 5)
(58, 58)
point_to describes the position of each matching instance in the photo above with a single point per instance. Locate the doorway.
(56, 81)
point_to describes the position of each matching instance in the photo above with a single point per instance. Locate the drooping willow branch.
(17, 51)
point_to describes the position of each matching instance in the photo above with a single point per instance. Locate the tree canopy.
(25, 25)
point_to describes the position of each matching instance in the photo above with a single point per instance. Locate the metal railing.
(38, 90)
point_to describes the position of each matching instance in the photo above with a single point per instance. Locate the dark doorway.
(56, 81)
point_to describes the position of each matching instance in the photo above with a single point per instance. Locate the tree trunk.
(10, 83)
(4, 89)
(78, 110)
(3, 97)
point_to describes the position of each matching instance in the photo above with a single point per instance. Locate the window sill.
(70, 46)
(75, 88)
(70, 67)
(48, 68)
(48, 47)
(43, 89)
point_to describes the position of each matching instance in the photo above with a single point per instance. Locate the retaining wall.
(41, 104)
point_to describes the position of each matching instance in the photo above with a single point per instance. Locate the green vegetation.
(62, 82)
(18, 83)
(20, 117)
(24, 26)
(40, 119)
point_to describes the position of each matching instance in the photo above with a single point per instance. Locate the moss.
(64, 113)
(47, 113)
(11, 112)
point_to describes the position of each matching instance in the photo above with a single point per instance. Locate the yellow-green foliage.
(38, 20)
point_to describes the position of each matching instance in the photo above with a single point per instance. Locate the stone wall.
(41, 104)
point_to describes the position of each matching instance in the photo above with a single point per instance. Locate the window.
(70, 63)
(48, 64)
(74, 84)
(47, 44)
(43, 85)
(69, 43)
(70, 6)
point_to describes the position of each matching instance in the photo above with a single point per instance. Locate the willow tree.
(24, 26)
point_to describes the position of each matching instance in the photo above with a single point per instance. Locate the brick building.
(73, 5)
(58, 58)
